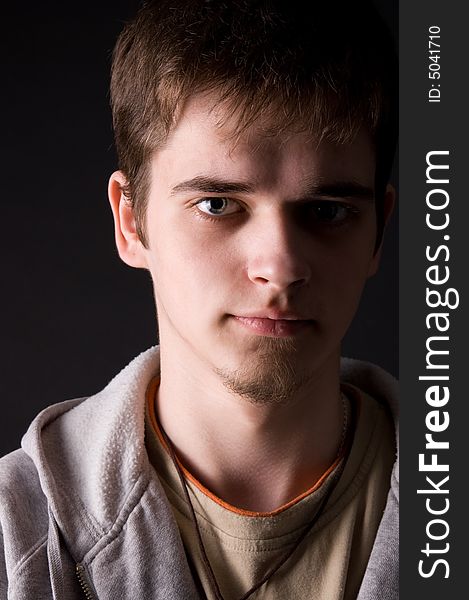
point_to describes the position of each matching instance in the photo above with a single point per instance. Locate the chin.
(273, 374)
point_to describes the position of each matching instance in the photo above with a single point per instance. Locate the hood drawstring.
(55, 560)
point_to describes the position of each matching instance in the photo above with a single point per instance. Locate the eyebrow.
(213, 185)
(343, 189)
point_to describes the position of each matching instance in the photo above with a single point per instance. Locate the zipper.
(81, 576)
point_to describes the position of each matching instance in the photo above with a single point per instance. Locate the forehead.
(207, 140)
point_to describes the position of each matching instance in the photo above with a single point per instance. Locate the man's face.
(258, 250)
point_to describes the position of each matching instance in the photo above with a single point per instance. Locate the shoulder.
(23, 509)
(19, 479)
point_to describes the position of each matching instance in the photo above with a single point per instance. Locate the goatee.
(272, 377)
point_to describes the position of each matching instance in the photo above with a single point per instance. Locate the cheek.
(347, 257)
(339, 276)
(189, 262)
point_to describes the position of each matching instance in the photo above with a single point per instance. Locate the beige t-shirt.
(241, 546)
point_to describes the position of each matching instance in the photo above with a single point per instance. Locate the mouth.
(281, 327)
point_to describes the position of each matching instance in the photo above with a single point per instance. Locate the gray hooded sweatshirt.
(83, 514)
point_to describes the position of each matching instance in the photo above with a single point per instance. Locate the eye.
(218, 206)
(333, 213)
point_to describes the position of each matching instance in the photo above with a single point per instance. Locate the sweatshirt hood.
(90, 454)
(377, 383)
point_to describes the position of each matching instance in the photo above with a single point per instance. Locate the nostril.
(278, 281)
(260, 279)
(299, 282)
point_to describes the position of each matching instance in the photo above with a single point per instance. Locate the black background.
(72, 314)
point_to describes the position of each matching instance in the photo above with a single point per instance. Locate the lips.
(282, 325)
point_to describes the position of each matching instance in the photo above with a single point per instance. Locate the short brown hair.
(326, 67)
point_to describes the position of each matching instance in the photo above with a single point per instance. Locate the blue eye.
(218, 206)
(332, 212)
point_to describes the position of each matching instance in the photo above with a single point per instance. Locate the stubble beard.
(272, 376)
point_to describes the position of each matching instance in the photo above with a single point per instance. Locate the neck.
(255, 457)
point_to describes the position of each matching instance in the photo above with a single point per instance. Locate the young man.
(239, 459)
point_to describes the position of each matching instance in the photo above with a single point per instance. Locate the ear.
(388, 207)
(129, 246)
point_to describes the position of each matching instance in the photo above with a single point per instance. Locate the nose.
(278, 255)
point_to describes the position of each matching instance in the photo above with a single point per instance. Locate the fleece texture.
(81, 495)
